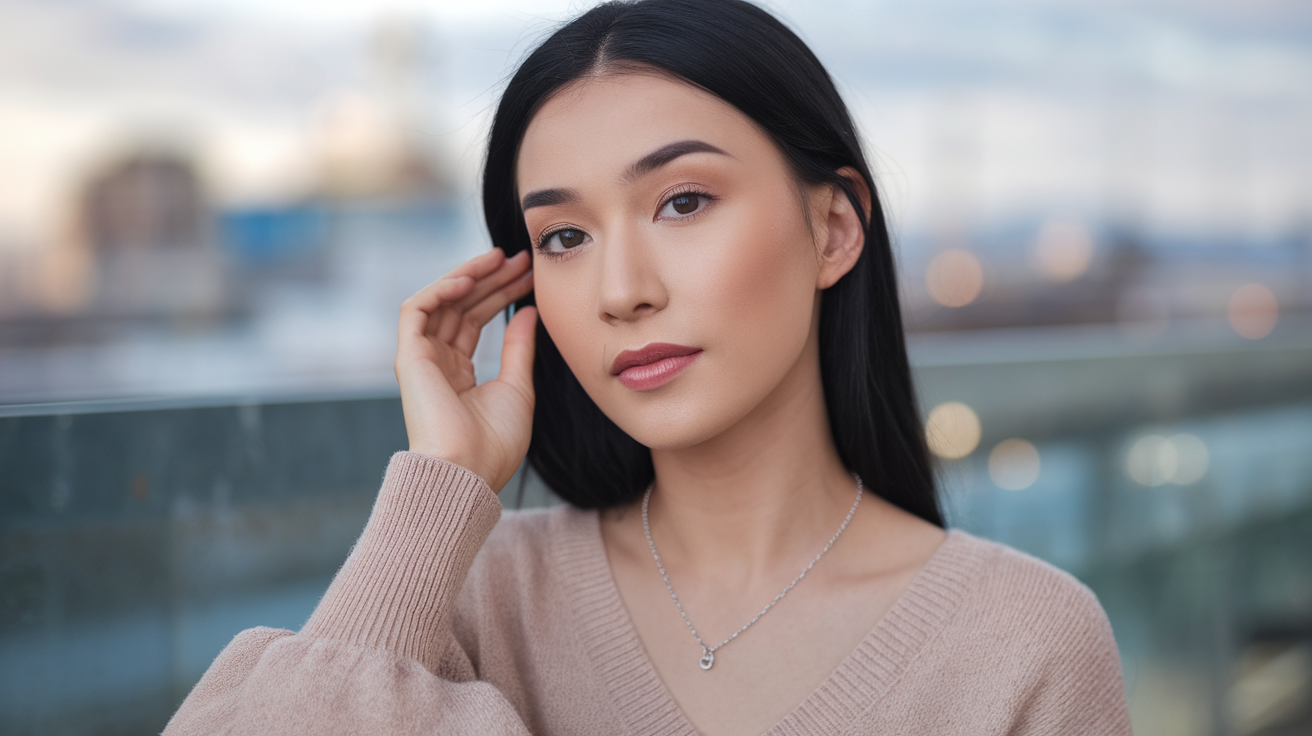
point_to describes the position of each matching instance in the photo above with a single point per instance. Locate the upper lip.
(649, 354)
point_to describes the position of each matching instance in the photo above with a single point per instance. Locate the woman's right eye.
(563, 239)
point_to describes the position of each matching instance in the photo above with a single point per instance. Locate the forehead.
(602, 124)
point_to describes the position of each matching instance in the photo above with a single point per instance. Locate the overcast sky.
(1187, 116)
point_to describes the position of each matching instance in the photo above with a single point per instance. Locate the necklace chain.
(708, 652)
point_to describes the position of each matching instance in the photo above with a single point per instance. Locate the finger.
(517, 351)
(418, 310)
(445, 290)
(511, 269)
(475, 268)
(471, 324)
(480, 265)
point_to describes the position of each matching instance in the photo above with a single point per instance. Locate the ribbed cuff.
(398, 585)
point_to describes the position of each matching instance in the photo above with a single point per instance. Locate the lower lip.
(655, 375)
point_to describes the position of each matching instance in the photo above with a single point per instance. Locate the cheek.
(758, 284)
(564, 310)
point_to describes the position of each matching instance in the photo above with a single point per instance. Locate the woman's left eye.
(683, 204)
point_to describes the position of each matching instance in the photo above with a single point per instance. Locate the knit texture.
(443, 620)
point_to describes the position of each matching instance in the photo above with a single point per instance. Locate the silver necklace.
(708, 653)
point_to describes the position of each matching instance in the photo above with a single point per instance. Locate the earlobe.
(845, 234)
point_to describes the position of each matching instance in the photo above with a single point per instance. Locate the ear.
(843, 237)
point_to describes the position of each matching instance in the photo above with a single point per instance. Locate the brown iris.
(570, 238)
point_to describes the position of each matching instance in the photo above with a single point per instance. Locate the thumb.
(517, 351)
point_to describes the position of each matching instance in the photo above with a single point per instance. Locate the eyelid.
(548, 231)
(540, 243)
(685, 189)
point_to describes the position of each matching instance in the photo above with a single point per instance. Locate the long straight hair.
(745, 56)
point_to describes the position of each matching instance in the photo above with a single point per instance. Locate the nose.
(630, 285)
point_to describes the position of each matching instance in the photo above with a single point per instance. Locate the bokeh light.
(1014, 464)
(1155, 460)
(952, 430)
(1253, 311)
(954, 278)
(1062, 250)
(1190, 459)
(1151, 461)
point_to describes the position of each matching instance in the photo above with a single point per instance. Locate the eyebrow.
(638, 169)
(666, 154)
(548, 197)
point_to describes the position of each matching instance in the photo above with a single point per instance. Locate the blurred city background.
(210, 213)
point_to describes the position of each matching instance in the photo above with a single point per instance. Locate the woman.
(718, 386)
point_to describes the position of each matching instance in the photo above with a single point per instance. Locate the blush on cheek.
(565, 311)
(557, 316)
(763, 268)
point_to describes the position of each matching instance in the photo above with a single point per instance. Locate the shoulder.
(535, 530)
(520, 531)
(1037, 611)
(1044, 640)
(1018, 642)
(520, 566)
(523, 543)
(1015, 590)
(510, 608)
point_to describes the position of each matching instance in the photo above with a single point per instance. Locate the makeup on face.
(653, 365)
(673, 266)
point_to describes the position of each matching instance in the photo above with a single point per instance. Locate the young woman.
(707, 362)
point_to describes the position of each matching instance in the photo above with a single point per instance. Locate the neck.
(762, 495)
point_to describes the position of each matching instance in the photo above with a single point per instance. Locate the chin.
(673, 423)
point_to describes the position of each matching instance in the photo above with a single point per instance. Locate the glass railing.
(137, 537)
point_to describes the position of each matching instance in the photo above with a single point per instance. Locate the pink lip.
(652, 366)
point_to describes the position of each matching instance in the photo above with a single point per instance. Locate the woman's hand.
(483, 428)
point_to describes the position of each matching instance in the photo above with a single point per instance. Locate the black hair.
(745, 56)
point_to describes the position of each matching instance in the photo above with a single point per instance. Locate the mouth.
(653, 365)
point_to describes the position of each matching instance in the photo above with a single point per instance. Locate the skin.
(749, 486)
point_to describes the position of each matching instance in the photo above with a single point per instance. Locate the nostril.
(637, 310)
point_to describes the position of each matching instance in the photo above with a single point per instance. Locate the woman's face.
(668, 237)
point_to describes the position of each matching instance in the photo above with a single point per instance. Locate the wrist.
(460, 459)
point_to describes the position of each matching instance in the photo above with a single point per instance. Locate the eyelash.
(684, 191)
(544, 251)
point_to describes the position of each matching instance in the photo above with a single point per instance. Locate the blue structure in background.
(259, 235)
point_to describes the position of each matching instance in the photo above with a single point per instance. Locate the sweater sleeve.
(1079, 688)
(365, 662)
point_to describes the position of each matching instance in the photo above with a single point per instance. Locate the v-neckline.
(860, 680)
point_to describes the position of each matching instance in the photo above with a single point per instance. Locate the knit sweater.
(445, 621)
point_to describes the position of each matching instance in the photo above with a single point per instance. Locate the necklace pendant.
(707, 660)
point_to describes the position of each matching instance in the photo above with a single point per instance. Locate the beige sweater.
(444, 621)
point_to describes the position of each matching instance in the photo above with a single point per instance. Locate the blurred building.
(147, 224)
(1067, 271)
